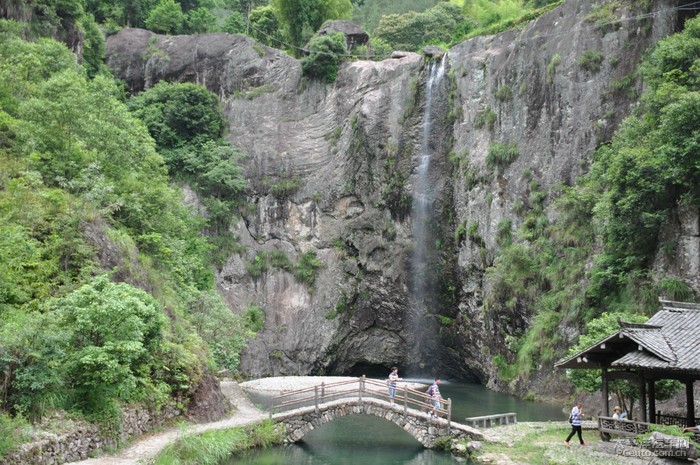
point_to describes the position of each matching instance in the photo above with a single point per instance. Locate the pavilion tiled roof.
(670, 340)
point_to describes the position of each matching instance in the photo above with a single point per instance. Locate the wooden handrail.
(323, 392)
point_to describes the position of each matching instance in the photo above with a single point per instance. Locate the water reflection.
(351, 440)
(365, 439)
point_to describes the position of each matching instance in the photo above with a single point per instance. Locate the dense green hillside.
(106, 288)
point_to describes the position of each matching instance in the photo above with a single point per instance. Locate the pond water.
(368, 440)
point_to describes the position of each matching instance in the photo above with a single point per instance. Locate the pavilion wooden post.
(651, 387)
(690, 402)
(643, 396)
(606, 405)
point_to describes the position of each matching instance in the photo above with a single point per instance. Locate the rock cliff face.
(332, 170)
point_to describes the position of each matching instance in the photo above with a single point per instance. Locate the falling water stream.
(423, 195)
(423, 199)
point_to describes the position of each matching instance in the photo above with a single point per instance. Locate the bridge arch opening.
(359, 432)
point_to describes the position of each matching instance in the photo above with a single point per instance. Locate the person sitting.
(619, 414)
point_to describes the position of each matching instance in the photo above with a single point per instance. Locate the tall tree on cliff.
(300, 19)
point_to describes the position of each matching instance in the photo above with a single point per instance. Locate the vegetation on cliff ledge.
(599, 253)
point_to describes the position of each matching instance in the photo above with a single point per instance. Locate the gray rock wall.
(348, 152)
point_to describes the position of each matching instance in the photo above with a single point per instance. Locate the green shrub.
(473, 234)
(325, 55)
(591, 61)
(504, 232)
(486, 117)
(225, 332)
(504, 94)
(307, 267)
(461, 232)
(255, 318)
(257, 266)
(278, 259)
(284, 187)
(552, 67)
(114, 330)
(501, 155)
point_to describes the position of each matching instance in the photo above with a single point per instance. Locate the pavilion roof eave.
(581, 359)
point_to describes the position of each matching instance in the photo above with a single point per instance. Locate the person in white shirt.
(393, 378)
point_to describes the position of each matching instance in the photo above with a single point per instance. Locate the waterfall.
(424, 192)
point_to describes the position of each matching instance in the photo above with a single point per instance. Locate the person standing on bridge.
(393, 378)
(434, 392)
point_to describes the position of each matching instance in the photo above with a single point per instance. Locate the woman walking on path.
(575, 420)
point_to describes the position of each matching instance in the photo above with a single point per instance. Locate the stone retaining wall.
(86, 440)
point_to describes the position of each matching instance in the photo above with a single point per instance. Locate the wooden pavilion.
(665, 347)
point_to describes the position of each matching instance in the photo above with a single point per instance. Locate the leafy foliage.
(554, 274)
(325, 55)
(167, 17)
(11, 433)
(178, 114)
(300, 19)
(591, 60)
(265, 26)
(501, 154)
(187, 124)
(113, 330)
(411, 30)
(77, 169)
(307, 267)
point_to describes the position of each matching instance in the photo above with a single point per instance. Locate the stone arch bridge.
(322, 404)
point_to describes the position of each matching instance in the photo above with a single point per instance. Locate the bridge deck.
(440, 423)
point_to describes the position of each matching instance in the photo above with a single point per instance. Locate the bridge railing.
(360, 388)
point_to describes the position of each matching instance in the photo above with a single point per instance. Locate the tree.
(235, 24)
(325, 55)
(114, 330)
(300, 19)
(369, 12)
(224, 332)
(94, 48)
(178, 114)
(265, 26)
(411, 30)
(200, 20)
(167, 17)
(651, 165)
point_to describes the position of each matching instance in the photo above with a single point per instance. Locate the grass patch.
(543, 443)
(307, 267)
(485, 118)
(591, 60)
(501, 155)
(12, 433)
(213, 447)
(504, 94)
(552, 67)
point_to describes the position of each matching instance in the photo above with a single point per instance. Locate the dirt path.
(148, 446)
